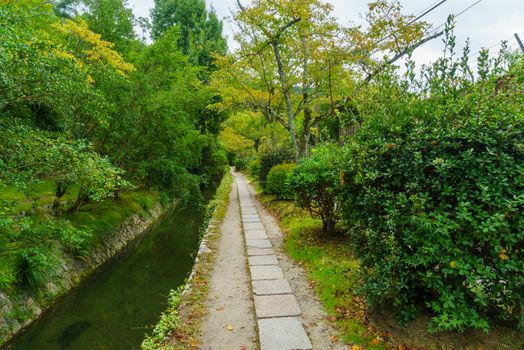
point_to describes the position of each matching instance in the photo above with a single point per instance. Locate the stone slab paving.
(266, 272)
(258, 243)
(280, 305)
(251, 220)
(263, 260)
(254, 226)
(271, 287)
(255, 234)
(276, 307)
(282, 333)
(251, 251)
(250, 216)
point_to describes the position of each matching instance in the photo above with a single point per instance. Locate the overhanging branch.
(402, 53)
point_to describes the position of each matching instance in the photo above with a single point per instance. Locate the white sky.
(486, 24)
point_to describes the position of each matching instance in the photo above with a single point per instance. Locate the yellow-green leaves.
(94, 50)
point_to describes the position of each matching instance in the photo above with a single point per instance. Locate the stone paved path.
(230, 321)
(276, 308)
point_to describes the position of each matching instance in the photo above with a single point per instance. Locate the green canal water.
(113, 308)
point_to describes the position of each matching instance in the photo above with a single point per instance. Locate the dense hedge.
(434, 203)
(270, 158)
(277, 181)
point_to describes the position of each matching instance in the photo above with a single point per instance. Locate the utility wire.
(497, 44)
(421, 14)
(433, 4)
(457, 15)
(426, 12)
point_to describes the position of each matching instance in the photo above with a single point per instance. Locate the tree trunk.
(328, 225)
(306, 129)
(306, 133)
(61, 188)
(287, 98)
(81, 200)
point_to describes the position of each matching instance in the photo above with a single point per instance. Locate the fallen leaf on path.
(229, 328)
(334, 339)
(220, 308)
(194, 343)
(243, 347)
(332, 318)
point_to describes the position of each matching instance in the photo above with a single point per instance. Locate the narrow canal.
(115, 307)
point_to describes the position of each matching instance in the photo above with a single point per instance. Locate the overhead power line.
(433, 4)
(457, 15)
(496, 44)
(426, 12)
(421, 14)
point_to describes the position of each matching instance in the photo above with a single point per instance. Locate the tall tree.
(200, 30)
(112, 19)
(293, 58)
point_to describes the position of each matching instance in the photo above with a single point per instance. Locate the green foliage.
(36, 265)
(169, 320)
(167, 175)
(30, 155)
(253, 168)
(240, 163)
(433, 195)
(30, 248)
(200, 30)
(277, 181)
(272, 157)
(317, 183)
(113, 20)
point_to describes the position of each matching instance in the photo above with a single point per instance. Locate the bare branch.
(242, 8)
(402, 53)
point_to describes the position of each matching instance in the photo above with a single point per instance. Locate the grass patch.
(179, 325)
(334, 273)
(41, 194)
(105, 217)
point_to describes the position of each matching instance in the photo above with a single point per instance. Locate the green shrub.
(271, 158)
(277, 181)
(253, 168)
(240, 164)
(176, 181)
(434, 201)
(316, 184)
(146, 202)
(36, 266)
